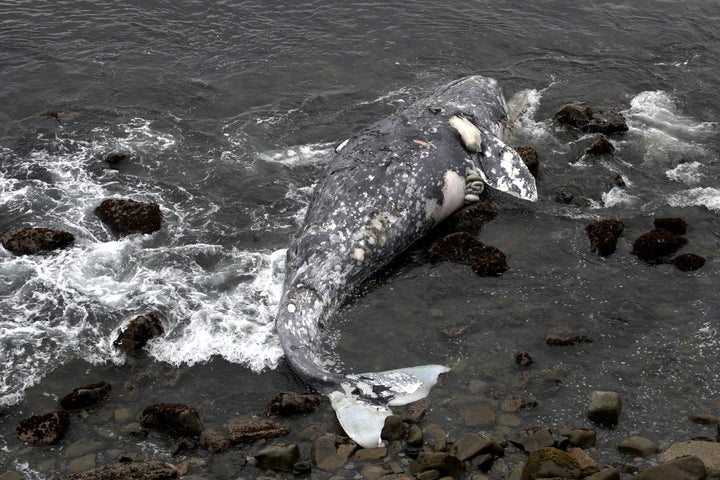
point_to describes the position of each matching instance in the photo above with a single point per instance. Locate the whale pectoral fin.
(361, 404)
(504, 170)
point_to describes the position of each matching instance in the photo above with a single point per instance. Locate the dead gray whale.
(386, 188)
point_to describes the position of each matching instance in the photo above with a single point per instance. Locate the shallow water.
(231, 110)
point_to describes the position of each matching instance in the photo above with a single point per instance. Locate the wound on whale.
(386, 188)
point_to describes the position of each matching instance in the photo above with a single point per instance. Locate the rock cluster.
(579, 114)
(657, 245)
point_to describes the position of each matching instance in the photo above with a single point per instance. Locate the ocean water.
(229, 111)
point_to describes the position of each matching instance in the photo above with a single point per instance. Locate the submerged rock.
(138, 331)
(461, 247)
(330, 452)
(638, 447)
(579, 437)
(154, 470)
(125, 216)
(33, 240)
(604, 235)
(172, 418)
(46, 429)
(248, 429)
(443, 462)
(278, 456)
(84, 397)
(676, 225)
(656, 244)
(688, 262)
(291, 403)
(605, 408)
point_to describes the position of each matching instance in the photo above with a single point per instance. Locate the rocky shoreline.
(296, 436)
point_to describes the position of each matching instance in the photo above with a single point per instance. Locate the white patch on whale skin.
(453, 197)
(470, 134)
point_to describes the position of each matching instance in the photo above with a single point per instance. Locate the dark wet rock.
(707, 452)
(601, 146)
(555, 340)
(278, 456)
(588, 466)
(461, 247)
(174, 418)
(33, 240)
(470, 445)
(85, 397)
(579, 437)
(412, 412)
(579, 114)
(114, 157)
(533, 439)
(11, 475)
(530, 156)
(154, 470)
(249, 429)
(564, 197)
(393, 428)
(60, 115)
(443, 462)
(415, 436)
(638, 447)
(604, 235)
(125, 216)
(469, 219)
(139, 331)
(704, 419)
(605, 408)
(685, 468)
(291, 403)
(46, 429)
(368, 454)
(676, 225)
(656, 244)
(550, 462)
(618, 181)
(330, 452)
(523, 359)
(213, 441)
(606, 474)
(688, 262)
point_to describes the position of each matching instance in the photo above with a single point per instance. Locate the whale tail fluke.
(362, 402)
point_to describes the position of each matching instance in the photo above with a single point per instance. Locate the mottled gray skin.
(384, 190)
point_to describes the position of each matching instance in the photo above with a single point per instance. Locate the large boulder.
(683, 468)
(550, 462)
(172, 418)
(605, 407)
(707, 452)
(126, 216)
(46, 429)
(32, 240)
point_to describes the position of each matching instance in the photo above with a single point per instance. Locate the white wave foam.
(707, 197)
(688, 173)
(617, 196)
(311, 154)
(667, 136)
(213, 299)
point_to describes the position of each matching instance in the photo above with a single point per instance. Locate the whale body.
(386, 188)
